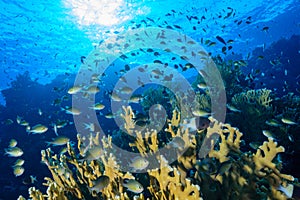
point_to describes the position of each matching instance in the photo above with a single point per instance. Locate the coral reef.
(253, 106)
(225, 172)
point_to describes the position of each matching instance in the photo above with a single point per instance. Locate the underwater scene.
(150, 100)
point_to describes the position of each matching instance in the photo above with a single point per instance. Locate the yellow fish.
(14, 152)
(115, 97)
(268, 134)
(38, 129)
(98, 106)
(273, 122)
(74, 89)
(19, 162)
(58, 141)
(72, 111)
(13, 143)
(101, 183)
(133, 185)
(94, 153)
(139, 163)
(18, 171)
(201, 113)
(93, 89)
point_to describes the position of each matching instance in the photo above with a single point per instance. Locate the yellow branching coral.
(226, 172)
(62, 175)
(257, 165)
(264, 160)
(231, 142)
(176, 116)
(55, 192)
(146, 143)
(189, 191)
(260, 97)
(128, 118)
(170, 186)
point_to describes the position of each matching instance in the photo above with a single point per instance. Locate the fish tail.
(48, 144)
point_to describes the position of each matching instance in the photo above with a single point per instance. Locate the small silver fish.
(272, 122)
(288, 121)
(232, 108)
(268, 134)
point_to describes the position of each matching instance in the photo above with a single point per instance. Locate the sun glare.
(97, 12)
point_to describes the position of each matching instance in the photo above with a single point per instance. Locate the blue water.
(42, 43)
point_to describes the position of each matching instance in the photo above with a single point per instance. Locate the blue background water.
(47, 39)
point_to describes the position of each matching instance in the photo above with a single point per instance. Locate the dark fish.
(229, 48)
(211, 44)
(239, 23)
(189, 65)
(176, 26)
(149, 50)
(156, 53)
(82, 58)
(221, 40)
(224, 167)
(127, 68)
(266, 29)
(260, 57)
(123, 57)
(157, 62)
(224, 50)
(255, 145)
(29, 180)
(150, 19)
